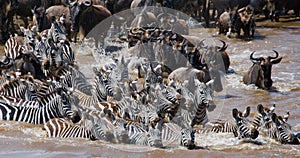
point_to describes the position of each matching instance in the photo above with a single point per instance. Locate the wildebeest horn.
(252, 58)
(276, 56)
(87, 3)
(224, 47)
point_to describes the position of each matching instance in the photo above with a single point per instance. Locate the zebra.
(23, 87)
(283, 131)
(245, 129)
(173, 133)
(52, 105)
(18, 102)
(16, 45)
(203, 96)
(68, 56)
(262, 119)
(56, 33)
(64, 128)
(223, 126)
(101, 90)
(151, 137)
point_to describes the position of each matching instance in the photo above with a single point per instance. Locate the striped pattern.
(51, 106)
(62, 128)
(14, 47)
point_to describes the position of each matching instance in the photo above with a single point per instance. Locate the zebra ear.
(260, 108)
(246, 112)
(272, 109)
(286, 116)
(235, 113)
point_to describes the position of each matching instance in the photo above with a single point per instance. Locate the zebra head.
(285, 134)
(204, 93)
(245, 127)
(29, 35)
(67, 105)
(263, 118)
(57, 32)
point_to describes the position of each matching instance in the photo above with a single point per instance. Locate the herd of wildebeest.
(157, 89)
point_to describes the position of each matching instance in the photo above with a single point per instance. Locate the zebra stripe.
(62, 128)
(14, 47)
(22, 87)
(220, 126)
(18, 102)
(68, 55)
(53, 106)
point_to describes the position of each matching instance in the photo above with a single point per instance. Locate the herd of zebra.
(41, 84)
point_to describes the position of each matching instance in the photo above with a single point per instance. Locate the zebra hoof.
(191, 146)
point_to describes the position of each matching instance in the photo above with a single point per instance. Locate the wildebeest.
(260, 72)
(225, 5)
(85, 16)
(244, 20)
(224, 23)
(278, 7)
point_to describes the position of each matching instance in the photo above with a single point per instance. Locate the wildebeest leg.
(205, 12)
(74, 35)
(296, 12)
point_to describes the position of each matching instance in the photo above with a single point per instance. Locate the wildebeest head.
(76, 7)
(265, 64)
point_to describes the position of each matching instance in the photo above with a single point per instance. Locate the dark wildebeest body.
(5, 8)
(278, 7)
(260, 72)
(85, 16)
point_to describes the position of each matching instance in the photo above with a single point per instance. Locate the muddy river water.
(27, 141)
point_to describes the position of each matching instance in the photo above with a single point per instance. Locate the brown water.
(23, 140)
